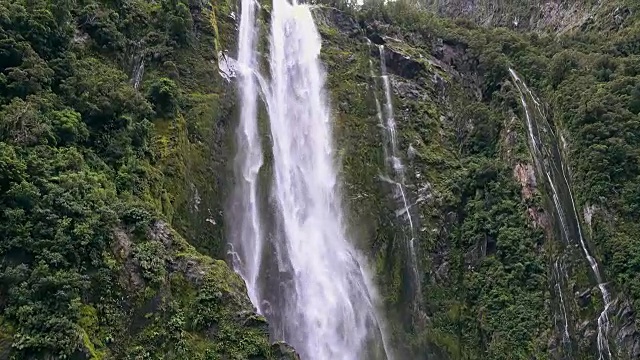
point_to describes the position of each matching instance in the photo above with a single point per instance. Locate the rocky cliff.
(489, 236)
(550, 15)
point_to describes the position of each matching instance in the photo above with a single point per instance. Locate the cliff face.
(474, 234)
(551, 15)
(497, 278)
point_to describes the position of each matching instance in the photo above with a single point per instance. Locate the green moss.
(88, 345)
(7, 332)
(214, 25)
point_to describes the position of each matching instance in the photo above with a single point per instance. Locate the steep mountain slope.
(466, 199)
(111, 124)
(528, 15)
(498, 280)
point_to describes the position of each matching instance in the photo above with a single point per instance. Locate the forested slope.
(110, 116)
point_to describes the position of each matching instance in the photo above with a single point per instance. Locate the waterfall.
(559, 272)
(138, 72)
(395, 169)
(301, 268)
(137, 65)
(549, 160)
(249, 237)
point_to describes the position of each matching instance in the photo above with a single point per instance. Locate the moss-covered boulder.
(178, 304)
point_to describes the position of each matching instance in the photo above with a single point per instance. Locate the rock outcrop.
(543, 15)
(163, 274)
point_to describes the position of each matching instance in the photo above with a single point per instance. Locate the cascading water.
(395, 168)
(249, 237)
(302, 271)
(559, 273)
(549, 161)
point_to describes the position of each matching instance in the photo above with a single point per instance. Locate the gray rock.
(121, 248)
(283, 351)
(627, 337)
(161, 232)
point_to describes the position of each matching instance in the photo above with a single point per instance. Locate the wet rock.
(403, 65)
(490, 246)
(584, 299)
(526, 176)
(332, 17)
(196, 199)
(587, 332)
(589, 211)
(227, 66)
(440, 85)
(552, 344)
(283, 351)
(250, 319)
(620, 15)
(376, 39)
(531, 15)
(408, 89)
(627, 336)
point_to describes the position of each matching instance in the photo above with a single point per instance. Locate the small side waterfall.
(301, 268)
(395, 170)
(548, 161)
(137, 65)
(559, 273)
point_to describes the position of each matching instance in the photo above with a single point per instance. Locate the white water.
(325, 303)
(394, 162)
(137, 74)
(560, 272)
(248, 161)
(603, 320)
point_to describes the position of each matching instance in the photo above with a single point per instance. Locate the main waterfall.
(301, 269)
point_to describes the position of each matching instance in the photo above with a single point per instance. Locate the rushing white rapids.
(559, 183)
(302, 271)
(395, 168)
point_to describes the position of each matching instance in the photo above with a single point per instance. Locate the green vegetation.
(482, 307)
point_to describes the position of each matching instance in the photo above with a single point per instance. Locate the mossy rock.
(172, 302)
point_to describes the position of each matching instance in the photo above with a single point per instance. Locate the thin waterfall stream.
(395, 169)
(548, 160)
(301, 268)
